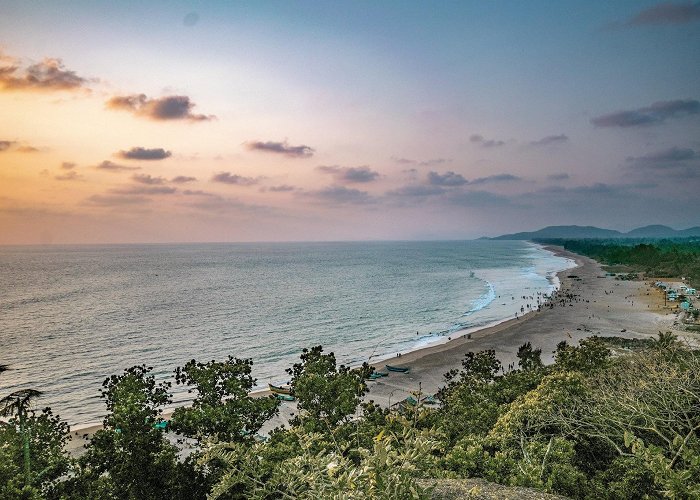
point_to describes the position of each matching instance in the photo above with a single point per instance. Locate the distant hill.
(591, 232)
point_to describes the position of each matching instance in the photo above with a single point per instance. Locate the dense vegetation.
(591, 425)
(660, 258)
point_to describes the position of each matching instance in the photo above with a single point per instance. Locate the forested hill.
(592, 232)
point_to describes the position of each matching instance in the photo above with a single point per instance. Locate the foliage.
(660, 258)
(130, 457)
(529, 358)
(223, 408)
(646, 406)
(327, 394)
(591, 425)
(590, 355)
(385, 469)
(32, 455)
(49, 460)
(480, 367)
(476, 396)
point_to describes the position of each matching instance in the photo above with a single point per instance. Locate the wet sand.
(591, 304)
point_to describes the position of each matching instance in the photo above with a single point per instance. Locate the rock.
(480, 489)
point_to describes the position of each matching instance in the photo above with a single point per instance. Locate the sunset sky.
(178, 121)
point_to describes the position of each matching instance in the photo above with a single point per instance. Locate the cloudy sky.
(174, 121)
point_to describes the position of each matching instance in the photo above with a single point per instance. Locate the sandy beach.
(588, 303)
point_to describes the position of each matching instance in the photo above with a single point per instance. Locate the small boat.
(374, 376)
(285, 397)
(429, 400)
(381, 374)
(162, 425)
(399, 369)
(275, 389)
(411, 401)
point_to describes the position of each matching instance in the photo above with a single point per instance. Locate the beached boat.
(162, 425)
(377, 375)
(398, 369)
(285, 397)
(429, 400)
(275, 389)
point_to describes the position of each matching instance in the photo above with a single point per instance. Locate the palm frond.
(16, 401)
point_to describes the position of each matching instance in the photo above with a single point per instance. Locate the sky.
(188, 121)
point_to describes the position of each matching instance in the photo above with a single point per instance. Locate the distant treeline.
(660, 258)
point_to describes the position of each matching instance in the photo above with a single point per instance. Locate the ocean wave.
(483, 301)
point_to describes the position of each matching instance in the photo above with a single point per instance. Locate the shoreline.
(443, 341)
(555, 281)
(599, 305)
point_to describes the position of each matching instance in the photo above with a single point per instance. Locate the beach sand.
(598, 305)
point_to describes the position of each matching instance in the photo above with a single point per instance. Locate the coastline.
(600, 306)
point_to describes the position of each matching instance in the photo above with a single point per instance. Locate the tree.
(18, 404)
(480, 367)
(665, 340)
(529, 358)
(645, 406)
(130, 457)
(385, 469)
(469, 400)
(327, 394)
(223, 408)
(590, 355)
(31, 446)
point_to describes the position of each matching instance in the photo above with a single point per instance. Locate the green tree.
(470, 399)
(32, 455)
(529, 358)
(482, 366)
(590, 355)
(49, 460)
(130, 458)
(223, 408)
(665, 340)
(384, 470)
(645, 406)
(327, 394)
(18, 404)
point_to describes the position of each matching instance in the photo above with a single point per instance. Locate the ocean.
(70, 316)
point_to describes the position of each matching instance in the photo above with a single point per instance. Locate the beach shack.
(672, 295)
(690, 291)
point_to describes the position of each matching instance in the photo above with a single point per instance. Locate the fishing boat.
(377, 375)
(411, 401)
(275, 389)
(285, 397)
(399, 369)
(429, 400)
(162, 425)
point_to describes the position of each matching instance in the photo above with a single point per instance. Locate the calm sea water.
(71, 316)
